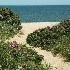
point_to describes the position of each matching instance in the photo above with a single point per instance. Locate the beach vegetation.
(10, 23)
(55, 39)
(14, 56)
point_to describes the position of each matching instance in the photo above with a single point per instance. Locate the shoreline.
(30, 27)
(40, 22)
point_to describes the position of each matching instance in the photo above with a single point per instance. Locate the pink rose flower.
(19, 48)
(28, 55)
(68, 18)
(13, 44)
(23, 69)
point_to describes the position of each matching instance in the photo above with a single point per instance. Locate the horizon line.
(31, 5)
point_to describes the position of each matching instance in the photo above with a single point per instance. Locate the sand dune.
(57, 63)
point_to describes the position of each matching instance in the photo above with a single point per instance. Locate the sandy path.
(57, 63)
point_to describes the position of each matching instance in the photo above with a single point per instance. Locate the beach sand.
(57, 63)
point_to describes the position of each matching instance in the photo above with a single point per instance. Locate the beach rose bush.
(10, 23)
(47, 38)
(63, 47)
(9, 17)
(15, 56)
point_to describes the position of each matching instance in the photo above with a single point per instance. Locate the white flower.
(19, 67)
(1, 16)
(0, 66)
(2, 27)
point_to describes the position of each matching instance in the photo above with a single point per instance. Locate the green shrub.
(9, 16)
(63, 47)
(47, 37)
(15, 56)
(9, 23)
(52, 38)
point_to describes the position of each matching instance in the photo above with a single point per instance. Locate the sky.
(34, 2)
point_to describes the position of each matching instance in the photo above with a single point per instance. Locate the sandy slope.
(56, 62)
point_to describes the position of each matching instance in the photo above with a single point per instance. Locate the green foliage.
(9, 16)
(52, 38)
(15, 56)
(63, 47)
(9, 23)
(47, 37)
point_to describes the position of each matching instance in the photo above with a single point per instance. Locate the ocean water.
(41, 13)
